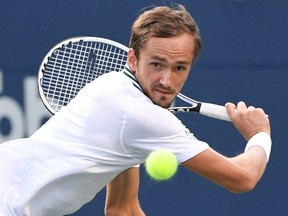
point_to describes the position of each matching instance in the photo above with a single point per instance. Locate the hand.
(248, 121)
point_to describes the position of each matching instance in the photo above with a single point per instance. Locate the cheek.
(143, 73)
(180, 79)
(147, 79)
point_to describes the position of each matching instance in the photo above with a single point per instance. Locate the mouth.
(164, 97)
(164, 91)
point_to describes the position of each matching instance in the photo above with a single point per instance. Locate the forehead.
(173, 47)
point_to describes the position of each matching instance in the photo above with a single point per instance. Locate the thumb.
(231, 110)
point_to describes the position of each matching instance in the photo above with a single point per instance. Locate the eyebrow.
(163, 60)
(157, 58)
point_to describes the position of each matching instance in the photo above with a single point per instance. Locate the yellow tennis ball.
(161, 164)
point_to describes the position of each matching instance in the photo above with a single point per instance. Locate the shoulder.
(151, 119)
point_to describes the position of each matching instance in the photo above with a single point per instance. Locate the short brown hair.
(163, 21)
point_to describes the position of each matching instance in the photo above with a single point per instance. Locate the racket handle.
(214, 111)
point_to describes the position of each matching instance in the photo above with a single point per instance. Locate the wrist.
(263, 140)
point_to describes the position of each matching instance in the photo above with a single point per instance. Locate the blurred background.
(244, 57)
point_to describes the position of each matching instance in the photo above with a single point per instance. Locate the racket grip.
(214, 111)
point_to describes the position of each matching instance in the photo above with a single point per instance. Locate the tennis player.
(116, 121)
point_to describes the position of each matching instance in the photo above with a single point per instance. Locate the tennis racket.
(74, 62)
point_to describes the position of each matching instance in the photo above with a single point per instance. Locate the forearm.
(239, 174)
(256, 155)
(253, 161)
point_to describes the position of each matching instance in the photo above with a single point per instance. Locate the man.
(116, 121)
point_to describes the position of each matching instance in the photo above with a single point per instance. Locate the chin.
(163, 103)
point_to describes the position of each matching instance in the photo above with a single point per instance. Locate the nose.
(166, 78)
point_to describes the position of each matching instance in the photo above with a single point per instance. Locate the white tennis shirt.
(110, 126)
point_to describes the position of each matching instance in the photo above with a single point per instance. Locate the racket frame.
(56, 48)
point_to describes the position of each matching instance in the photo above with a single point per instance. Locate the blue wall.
(244, 58)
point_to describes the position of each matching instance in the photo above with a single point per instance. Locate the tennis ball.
(161, 164)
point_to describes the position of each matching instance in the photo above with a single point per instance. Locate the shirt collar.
(131, 76)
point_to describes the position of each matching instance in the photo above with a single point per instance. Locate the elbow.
(243, 189)
(242, 186)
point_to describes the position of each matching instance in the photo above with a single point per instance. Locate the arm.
(241, 173)
(122, 194)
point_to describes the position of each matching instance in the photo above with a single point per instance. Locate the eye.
(179, 68)
(155, 65)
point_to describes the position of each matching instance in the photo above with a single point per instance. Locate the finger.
(241, 106)
(231, 109)
(251, 108)
(229, 106)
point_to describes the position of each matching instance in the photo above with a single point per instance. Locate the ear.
(131, 60)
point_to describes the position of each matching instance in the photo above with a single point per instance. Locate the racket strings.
(73, 65)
